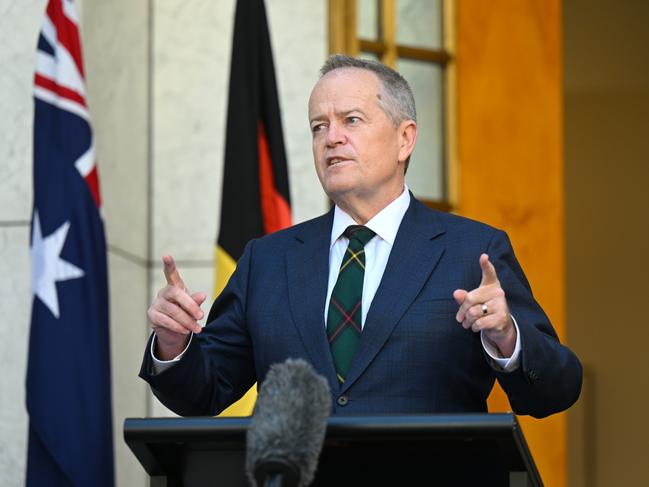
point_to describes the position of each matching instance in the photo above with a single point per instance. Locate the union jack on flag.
(68, 372)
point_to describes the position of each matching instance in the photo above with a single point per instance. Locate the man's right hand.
(174, 313)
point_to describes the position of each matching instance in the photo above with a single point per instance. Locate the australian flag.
(68, 373)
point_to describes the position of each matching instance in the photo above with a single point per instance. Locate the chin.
(340, 193)
(339, 185)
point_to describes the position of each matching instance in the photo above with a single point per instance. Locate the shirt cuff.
(160, 366)
(506, 364)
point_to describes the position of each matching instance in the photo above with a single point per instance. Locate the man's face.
(357, 150)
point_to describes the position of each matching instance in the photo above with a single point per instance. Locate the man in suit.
(439, 308)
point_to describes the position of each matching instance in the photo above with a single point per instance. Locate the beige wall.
(19, 21)
(606, 69)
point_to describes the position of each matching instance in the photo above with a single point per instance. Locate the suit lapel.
(413, 258)
(308, 274)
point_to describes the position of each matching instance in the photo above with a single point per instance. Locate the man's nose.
(335, 134)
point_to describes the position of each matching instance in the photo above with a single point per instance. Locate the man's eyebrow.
(340, 114)
(316, 117)
(352, 110)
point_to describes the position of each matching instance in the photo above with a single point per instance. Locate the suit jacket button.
(342, 400)
(532, 376)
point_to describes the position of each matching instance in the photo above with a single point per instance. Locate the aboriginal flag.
(68, 370)
(255, 197)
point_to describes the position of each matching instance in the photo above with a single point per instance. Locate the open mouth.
(335, 160)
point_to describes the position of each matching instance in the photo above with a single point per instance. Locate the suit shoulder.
(465, 223)
(319, 225)
(454, 223)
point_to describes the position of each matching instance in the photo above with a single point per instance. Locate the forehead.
(345, 86)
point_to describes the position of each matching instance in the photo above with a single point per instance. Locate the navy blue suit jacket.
(413, 356)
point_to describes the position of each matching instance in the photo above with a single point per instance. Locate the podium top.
(156, 441)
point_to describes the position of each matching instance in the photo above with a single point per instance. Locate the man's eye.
(317, 127)
(353, 120)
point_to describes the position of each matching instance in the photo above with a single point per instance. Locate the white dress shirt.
(377, 251)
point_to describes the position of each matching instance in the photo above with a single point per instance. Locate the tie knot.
(359, 233)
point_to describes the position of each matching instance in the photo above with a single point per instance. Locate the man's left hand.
(485, 309)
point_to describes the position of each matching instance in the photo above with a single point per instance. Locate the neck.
(362, 209)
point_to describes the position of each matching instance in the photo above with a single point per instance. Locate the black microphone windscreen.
(289, 420)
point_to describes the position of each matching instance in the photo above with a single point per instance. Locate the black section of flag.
(252, 100)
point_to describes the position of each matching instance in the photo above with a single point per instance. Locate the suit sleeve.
(549, 377)
(218, 367)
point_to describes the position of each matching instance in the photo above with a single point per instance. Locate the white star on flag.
(47, 266)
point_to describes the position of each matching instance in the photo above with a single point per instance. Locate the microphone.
(287, 430)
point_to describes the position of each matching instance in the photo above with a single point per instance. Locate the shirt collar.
(385, 223)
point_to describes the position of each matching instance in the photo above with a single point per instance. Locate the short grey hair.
(397, 101)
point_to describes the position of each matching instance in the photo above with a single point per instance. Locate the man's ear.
(407, 138)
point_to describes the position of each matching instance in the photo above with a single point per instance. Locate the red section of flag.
(275, 210)
(92, 180)
(67, 33)
(62, 91)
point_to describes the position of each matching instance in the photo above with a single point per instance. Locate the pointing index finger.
(171, 272)
(489, 275)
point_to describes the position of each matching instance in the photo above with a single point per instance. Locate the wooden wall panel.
(509, 123)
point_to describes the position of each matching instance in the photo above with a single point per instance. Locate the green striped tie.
(344, 315)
